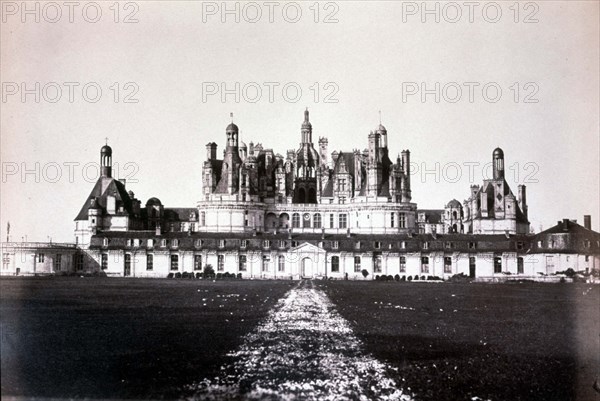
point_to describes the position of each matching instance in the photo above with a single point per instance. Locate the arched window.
(454, 215)
(296, 220)
(317, 220)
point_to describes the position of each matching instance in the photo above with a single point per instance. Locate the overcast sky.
(378, 56)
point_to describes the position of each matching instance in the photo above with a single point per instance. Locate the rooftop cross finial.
(379, 117)
(106, 140)
(231, 115)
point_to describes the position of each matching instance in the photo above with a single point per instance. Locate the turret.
(106, 161)
(522, 198)
(498, 164)
(306, 130)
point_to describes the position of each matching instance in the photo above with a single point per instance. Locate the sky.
(160, 79)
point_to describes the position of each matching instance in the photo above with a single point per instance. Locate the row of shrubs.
(206, 275)
(397, 277)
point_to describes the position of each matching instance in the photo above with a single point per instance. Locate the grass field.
(493, 341)
(137, 338)
(122, 338)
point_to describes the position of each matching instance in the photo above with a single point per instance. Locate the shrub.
(198, 275)
(177, 275)
(208, 269)
(377, 277)
(423, 277)
(415, 277)
(397, 277)
(365, 273)
(219, 276)
(170, 275)
(403, 278)
(226, 275)
(390, 278)
(185, 275)
(409, 278)
(239, 276)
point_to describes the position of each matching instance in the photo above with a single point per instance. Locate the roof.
(104, 187)
(567, 226)
(432, 216)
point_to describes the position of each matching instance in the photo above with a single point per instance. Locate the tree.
(209, 271)
(365, 273)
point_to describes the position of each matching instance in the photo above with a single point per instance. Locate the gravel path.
(303, 350)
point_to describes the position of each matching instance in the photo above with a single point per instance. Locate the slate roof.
(106, 186)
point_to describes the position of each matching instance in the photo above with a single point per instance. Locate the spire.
(106, 140)
(306, 115)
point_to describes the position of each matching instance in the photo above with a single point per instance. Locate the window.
(266, 243)
(317, 220)
(150, 262)
(281, 263)
(282, 244)
(57, 262)
(129, 242)
(343, 220)
(497, 264)
(242, 263)
(471, 245)
(335, 264)
(402, 221)
(244, 244)
(265, 263)
(105, 242)
(403, 244)
(424, 264)
(136, 242)
(377, 264)
(202, 218)
(520, 245)
(377, 245)
(402, 264)
(549, 262)
(447, 264)
(104, 262)
(448, 245)
(335, 244)
(357, 264)
(163, 243)
(331, 221)
(150, 243)
(295, 220)
(520, 265)
(127, 265)
(40, 258)
(472, 266)
(221, 243)
(78, 261)
(175, 243)
(174, 262)
(392, 219)
(197, 262)
(357, 245)
(425, 245)
(220, 263)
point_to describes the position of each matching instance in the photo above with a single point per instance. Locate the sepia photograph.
(300, 200)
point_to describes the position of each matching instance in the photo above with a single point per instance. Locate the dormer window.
(150, 243)
(175, 243)
(357, 245)
(163, 243)
(221, 243)
(136, 242)
(377, 245)
(198, 243)
(448, 245)
(105, 242)
(471, 245)
(266, 243)
(425, 245)
(335, 244)
(282, 244)
(244, 244)
(403, 244)
(129, 242)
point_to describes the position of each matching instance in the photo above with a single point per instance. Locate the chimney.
(522, 198)
(211, 151)
(565, 223)
(157, 230)
(587, 221)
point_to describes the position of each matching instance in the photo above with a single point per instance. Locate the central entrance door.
(307, 267)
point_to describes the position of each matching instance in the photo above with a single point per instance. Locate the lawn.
(455, 341)
(122, 338)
